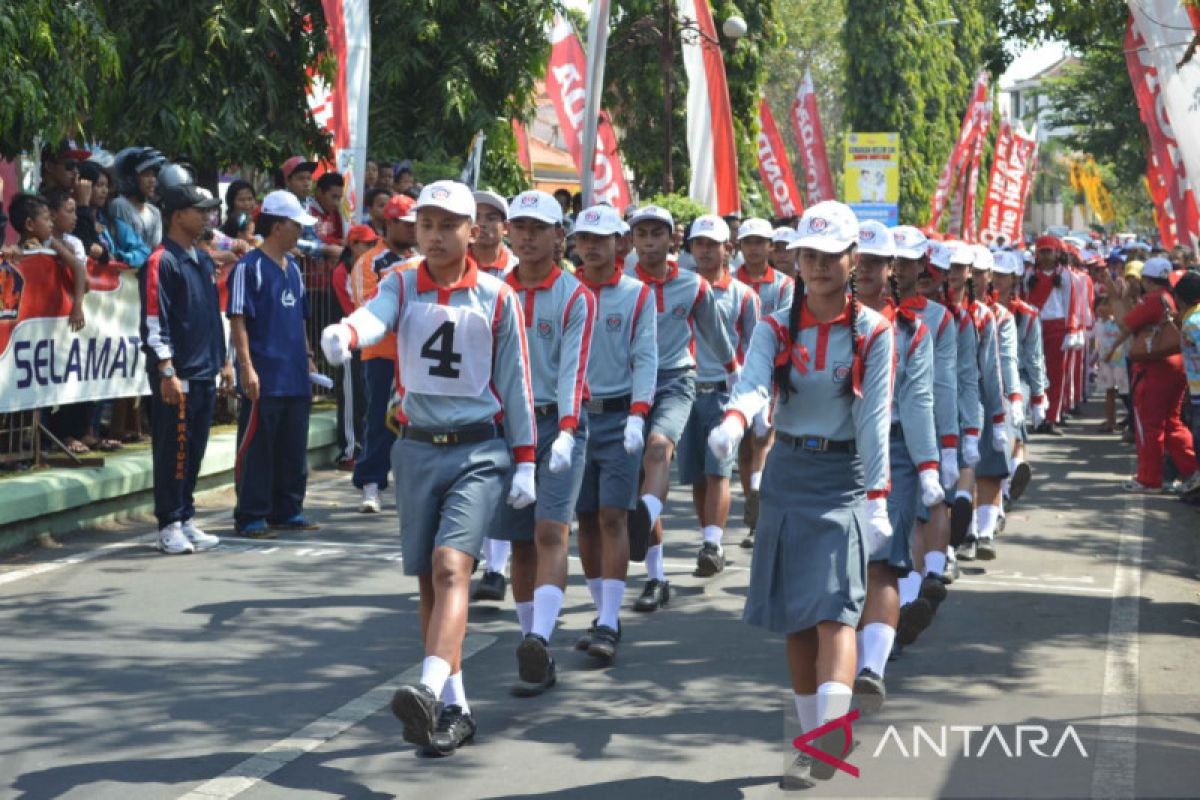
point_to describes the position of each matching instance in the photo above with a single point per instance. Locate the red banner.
(711, 149)
(774, 167)
(523, 156)
(960, 156)
(1004, 204)
(984, 124)
(806, 124)
(565, 83)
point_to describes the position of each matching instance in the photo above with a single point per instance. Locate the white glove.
(762, 422)
(731, 378)
(931, 491)
(970, 448)
(879, 527)
(335, 342)
(1016, 412)
(1000, 438)
(1039, 412)
(560, 452)
(949, 468)
(634, 440)
(724, 439)
(523, 493)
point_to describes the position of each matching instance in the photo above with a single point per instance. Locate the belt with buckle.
(708, 388)
(609, 405)
(817, 444)
(546, 410)
(468, 434)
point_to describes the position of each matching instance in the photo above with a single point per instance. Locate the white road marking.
(253, 770)
(11, 576)
(1041, 587)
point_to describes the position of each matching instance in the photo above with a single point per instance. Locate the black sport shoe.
(798, 774)
(535, 667)
(748, 542)
(1048, 429)
(492, 586)
(419, 710)
(604, 644)
(1019, 482)
(962, 511)
(710, 561)
(639, 532)
(968, 550)
(656, 595)
(454, 729)
(585, 641)
(832, 743)
(869, 691)
(985, 549)
(933, 589)
(914, 618)
(750, 509)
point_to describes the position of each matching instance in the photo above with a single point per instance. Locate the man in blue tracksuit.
(185, 354)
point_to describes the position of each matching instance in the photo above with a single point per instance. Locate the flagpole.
(597, 46)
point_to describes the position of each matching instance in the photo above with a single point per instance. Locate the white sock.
(964, 493)
(654, 563)
(935, 563)
(833, 701)
(547, 602)
(610, 609)
(985, 521)
(806, 711)
(453, 693)
(654, 505)
(973, 529)
(497, 555)
(860, 649)
(1007, 482)
(434, 672)
(949, 554)
(877, 638)
(525, 616)
(910, 585)
(755, 484)
(595, 586)
(713, 534)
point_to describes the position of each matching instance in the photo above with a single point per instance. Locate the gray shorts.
(556, 493)
(696, 460)
(672, 403)
(611, 476)
(445, 495)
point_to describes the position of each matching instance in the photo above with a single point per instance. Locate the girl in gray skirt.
(828, 362)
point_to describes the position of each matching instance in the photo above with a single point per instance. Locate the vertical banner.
(806, 125)
(523, 155)
(958, 161)
(774, 166)
(1004, 203)
(596, 50)
(566, 83)
(983, 124)
(711, 150)
(1156, 187)
(871, 176)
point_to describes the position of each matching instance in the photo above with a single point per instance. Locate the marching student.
(489, 250)
(1051, 291)
(913, 456)
(783, 257)
(621, 376)
(774, 289)
(686, 306)
(465, 388)
(559, 314)
(829, 362)
(738, 311)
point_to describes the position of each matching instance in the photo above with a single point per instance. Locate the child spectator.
(1112, 374)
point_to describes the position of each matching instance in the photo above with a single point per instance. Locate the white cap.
(755, 226)
(1008, 262)
(625, 229)
(984, 260)
(1027, 257)
(651, 214)
(829, 226)
(785, 234)
(961, 253)
(939, 254)
(283, 203)
(1157, 267)
(600, 220)
(535, 204)
(875, 239)
(497, 201)
(910, 242)
(449, 196)
(710, 226)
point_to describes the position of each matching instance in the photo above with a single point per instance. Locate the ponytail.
(855, 339)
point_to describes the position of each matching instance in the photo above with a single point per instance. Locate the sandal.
(108, 445)
(135, 438)
(77, 447)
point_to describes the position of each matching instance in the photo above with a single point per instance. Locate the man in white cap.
(783, 257)
(490, 252)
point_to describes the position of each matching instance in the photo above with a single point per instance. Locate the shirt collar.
(807, 320)
(181, 253)
(917, 302)
(646, 277)
(768, 276)
(426, 283)
(515, 282)
(613, 281)
(723, 281)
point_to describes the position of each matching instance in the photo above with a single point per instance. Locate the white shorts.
(1112, 376)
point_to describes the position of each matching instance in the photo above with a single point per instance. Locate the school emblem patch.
(12, 285)
(544, 329)
(867, 235)
(591, 216)
(841, 372)
(679, 311)
(817, 224)
(613, 322)
(439, 193)
(529, 201)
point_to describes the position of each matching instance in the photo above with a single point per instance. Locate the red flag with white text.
(774, 166)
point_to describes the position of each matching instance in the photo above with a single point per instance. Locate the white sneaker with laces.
(199, 539)
(172, 541)
(370, 500)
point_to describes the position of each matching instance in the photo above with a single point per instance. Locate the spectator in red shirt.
(350, 389)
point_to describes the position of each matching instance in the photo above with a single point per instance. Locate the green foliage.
(502, 170)
(683, 209)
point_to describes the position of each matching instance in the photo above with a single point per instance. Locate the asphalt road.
(262, 669)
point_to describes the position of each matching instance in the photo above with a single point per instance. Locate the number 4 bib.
(444, 350)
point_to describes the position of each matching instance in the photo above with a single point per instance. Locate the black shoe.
(1002, 523)
(604, 644)
(639, 532)
(870, 691)
(831, 743)
(897, 649)
(962, 510)
(968, 550)
(748, 542)
(914, 618)
(799, 774)
(985, 549)
(1048, 429)
(492, 586)
(656, 595)
(535, 667)
(750, 509)
(419, 710)
(454, 729)
(585, 641)
(1020, 481)
(933, 589)
(710, 561)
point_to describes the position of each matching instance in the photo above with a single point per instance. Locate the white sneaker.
(172, 541)
(370, 500)
(199, 539)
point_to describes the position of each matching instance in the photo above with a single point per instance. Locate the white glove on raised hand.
(731, 378)
(762, 422)
(879, 527)
(1000, 438)
(635, 427)
(560, 452)
(724, 439)
(1016, 413)
(1038, 411)
(335, 343)
(970, 448)
(949, 467)
(931, 491)
(523, 493)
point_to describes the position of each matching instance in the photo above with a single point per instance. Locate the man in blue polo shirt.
(267, 310)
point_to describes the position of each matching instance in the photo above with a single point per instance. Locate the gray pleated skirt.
(992, 463)
(902, 503)
(810, 561)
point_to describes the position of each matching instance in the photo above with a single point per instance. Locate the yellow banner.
(872, 168)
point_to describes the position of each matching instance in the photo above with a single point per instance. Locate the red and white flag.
(566, 83)
(711, 148)
(806, 125)
(960, 157)
(774, 166)
(1004, 203)
(522, 138)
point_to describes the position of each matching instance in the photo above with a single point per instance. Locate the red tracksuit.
(1054, 306)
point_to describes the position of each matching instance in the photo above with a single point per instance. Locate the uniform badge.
(544, 329)
(287, 299)
(613, 322)
(841, 372)
(679, 312)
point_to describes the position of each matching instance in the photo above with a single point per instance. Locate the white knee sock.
(434, 672)
(833, 701)
(910, 585)
(713, 534)
(877, 638)
(985, 521)
(806, 711)
(498, 551)
(525, 616)
(973, 530)
(654, 505)
(654, 563)
(755, 484)
(964, 493)
(935, 563)
(453, 693)
(610, 609)
(547, 602)
(860, 650)
(595, 587)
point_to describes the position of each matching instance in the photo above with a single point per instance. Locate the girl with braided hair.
(828, 363)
